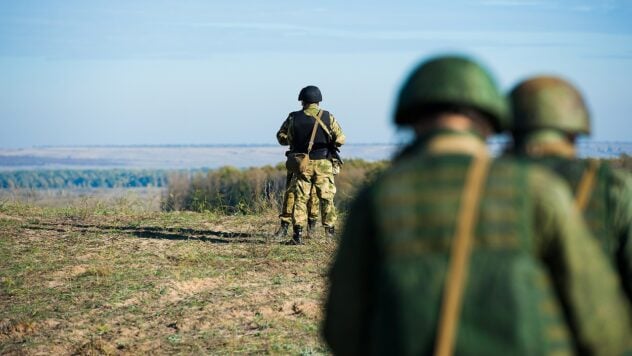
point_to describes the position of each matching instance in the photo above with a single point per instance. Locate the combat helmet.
(451, 80)
(547, 102)
(310, 94)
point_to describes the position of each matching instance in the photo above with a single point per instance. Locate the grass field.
(95, 279)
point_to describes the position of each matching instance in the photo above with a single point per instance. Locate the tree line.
(92, 178)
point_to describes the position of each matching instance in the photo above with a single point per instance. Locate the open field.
(116, 279)
(104, 271)
(137, 199)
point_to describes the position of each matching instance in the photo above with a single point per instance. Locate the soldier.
(549, 114)
(449, 252)
(327, 137)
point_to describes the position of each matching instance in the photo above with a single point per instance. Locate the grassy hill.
(89, 279)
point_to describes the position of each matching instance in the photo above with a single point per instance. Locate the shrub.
(253, 190)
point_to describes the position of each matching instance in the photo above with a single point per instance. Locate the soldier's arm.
(595, 307)
(351, 277)
(336, 132)
(283, 135)
(621, 197)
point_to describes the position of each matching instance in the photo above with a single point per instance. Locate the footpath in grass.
(89, 280)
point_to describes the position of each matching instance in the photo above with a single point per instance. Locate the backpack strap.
(586, 185)
(313, 136)
(461, 249)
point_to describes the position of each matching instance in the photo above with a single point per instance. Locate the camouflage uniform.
(546, 109)
(319, 174)
(529, 290)
(313, 204)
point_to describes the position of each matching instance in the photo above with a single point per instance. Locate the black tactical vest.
(302, 130)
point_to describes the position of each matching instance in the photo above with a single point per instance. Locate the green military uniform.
(608, 212)
(530, 247)
(546, 110)
(319, 174)
(528, 291)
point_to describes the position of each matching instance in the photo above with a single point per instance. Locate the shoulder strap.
(460, 254)
(586, 185)
(322, 124)
(311, 139)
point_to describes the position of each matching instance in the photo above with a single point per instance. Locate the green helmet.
(451, 81)
(548, 103)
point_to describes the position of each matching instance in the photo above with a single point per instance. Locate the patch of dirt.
(51, 323)
(49, 350)
(180, 290)
(87, 257)
(9, 217)
(306, 308)
(15, 329)
(136, 299)
(95, 347)
(61, 277)
(55, 283)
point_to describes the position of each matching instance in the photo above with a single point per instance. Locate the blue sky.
(228, 72)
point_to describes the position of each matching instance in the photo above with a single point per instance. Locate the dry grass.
(81, 280)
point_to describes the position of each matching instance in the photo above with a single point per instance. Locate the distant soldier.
(449, 252)
(549, 115)
(315, 132)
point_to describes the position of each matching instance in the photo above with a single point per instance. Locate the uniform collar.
(454, 142)
(546, 143)
(311, 110)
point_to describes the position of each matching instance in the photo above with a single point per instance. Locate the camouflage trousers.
(313, 205)
(319, 175)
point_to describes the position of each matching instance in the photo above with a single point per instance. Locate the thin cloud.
(583, 8)
(542, 38)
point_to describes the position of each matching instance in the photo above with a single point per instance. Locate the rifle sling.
(311, 139)
(586, 185)
(322, 124)
(460, 254)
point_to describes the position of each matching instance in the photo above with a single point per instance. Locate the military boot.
(311, 225)
(283, 229)
(297, 238)
(330, 231)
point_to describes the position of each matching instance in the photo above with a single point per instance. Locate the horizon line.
(179, 145)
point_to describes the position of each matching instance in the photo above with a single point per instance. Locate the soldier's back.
(406, 222)
(607, 207)
(509, 306)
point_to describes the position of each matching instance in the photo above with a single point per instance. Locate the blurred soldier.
(449, 253)
(288, 206)
(328, 136)
(549, 114)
